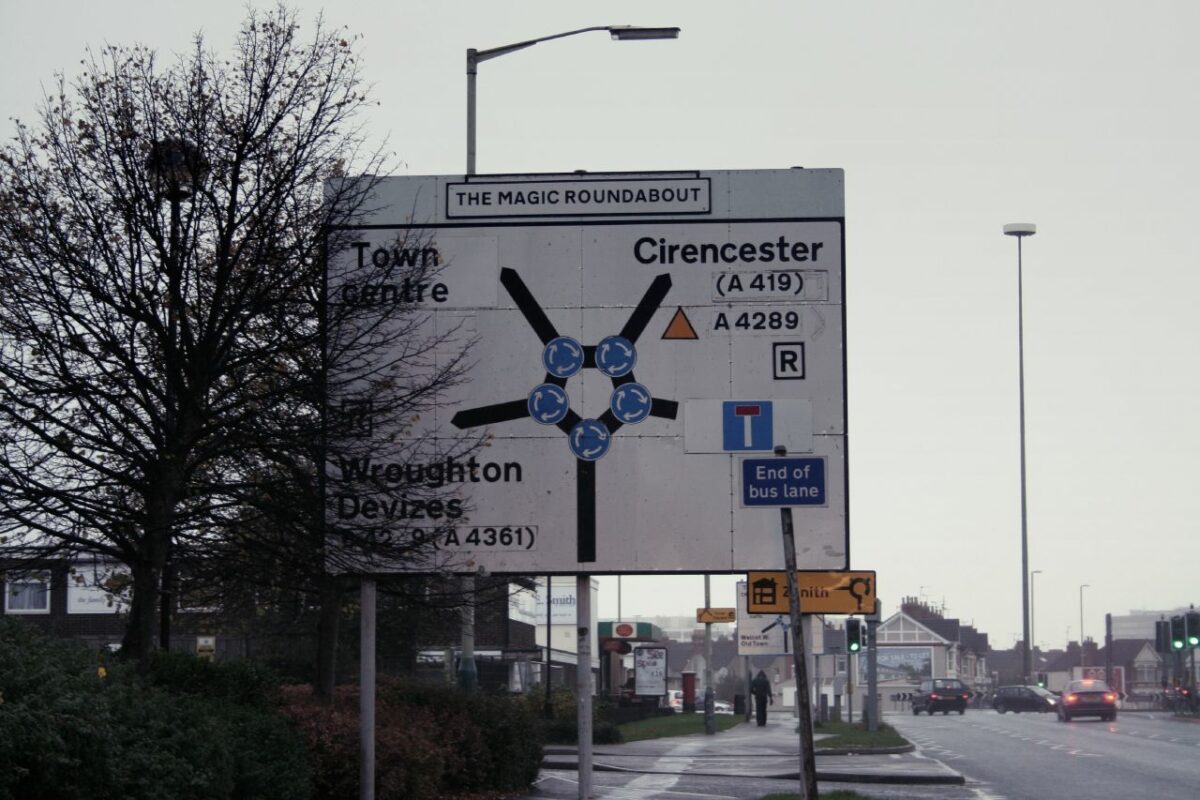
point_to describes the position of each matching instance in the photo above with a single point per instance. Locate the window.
(27, 594)
(1147, 673)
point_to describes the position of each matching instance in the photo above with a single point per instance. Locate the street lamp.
(175, 168)
(1021, 230)
(1032, 607)
(620, 33)
(467, 670)
(1082, 652)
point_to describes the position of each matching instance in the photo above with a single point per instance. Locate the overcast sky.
(950, 119)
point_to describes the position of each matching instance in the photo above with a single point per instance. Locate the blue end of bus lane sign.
(783, 482)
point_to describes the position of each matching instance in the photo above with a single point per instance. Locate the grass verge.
(855, 734)
(674, 725)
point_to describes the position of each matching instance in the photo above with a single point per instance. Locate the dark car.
(1024, 698)
(941, 694)
(1087, 698)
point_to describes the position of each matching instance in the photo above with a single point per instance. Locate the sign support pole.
(873, 665)
(366, 691)
(808, 765)
(548, 705)
(583, 681)
(710, 698)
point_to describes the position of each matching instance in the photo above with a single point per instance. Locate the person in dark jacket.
(760, 687)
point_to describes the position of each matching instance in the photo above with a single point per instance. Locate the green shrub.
(563, 728)
(67, 731)
(430, 741)
(566, 731)
(242, 681)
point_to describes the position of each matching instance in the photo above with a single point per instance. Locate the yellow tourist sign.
(821, 592)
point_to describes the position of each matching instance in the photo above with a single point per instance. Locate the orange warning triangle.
(680, 327)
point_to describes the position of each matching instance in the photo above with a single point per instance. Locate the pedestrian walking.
(760, 687)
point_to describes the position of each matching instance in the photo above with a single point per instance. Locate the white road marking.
(982, 794)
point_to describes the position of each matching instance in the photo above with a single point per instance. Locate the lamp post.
(1082, 652)
(1032, 611)
(620, 33)
(175, 168)
(1021, 230)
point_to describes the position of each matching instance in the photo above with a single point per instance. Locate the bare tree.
(161, 265)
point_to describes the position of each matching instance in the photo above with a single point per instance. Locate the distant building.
(1140, 624)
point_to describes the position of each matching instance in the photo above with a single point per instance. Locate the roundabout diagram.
(549, 403)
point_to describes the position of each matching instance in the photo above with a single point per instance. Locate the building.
(919, 642)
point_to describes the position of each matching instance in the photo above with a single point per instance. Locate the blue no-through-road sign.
(747, 425)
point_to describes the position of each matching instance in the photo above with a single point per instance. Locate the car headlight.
(1051, 702)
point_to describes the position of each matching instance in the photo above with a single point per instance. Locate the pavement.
(750, 751)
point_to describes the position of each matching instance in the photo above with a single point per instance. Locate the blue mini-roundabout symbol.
(563, 357)
(589, 439)
(631, 403)
(548, 404)
(615, 356)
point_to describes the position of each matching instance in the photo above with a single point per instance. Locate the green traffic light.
(1177, 644)
(1193, 641)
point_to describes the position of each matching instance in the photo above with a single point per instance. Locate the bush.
(67, 731)
(564, 727)
(566, 731)
(430, 741)
(242, 681)
(409, 762)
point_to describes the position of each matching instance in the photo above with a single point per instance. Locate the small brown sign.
(821, 592)
(707, 615)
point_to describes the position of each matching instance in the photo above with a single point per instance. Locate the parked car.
(1087, 698)
(941, 694)
(1024, 698)
(721, 707)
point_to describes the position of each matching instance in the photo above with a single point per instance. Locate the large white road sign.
(635, 336)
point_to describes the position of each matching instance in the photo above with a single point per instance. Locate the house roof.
(901, 620)
(1126, 651)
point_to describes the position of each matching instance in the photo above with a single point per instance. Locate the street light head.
(628, 33)
(1020, 229)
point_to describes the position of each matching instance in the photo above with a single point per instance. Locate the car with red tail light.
(1087, 698)
(941, 694)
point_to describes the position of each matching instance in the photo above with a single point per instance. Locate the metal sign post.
(710, 698)
(366, 692)
(808, 764)
(583, 681)
(873, 674)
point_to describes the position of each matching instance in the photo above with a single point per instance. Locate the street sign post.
(708, 616)
(634, 341)
(823, 592)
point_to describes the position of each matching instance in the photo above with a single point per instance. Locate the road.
(1034, 756)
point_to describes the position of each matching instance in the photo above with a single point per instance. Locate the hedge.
(75, 725)
(430, 741)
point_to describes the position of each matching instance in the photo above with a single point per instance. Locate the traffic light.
(1191, 626)
(1041, 680)
(1178, 634)
(1162, 636)
(853, 635)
